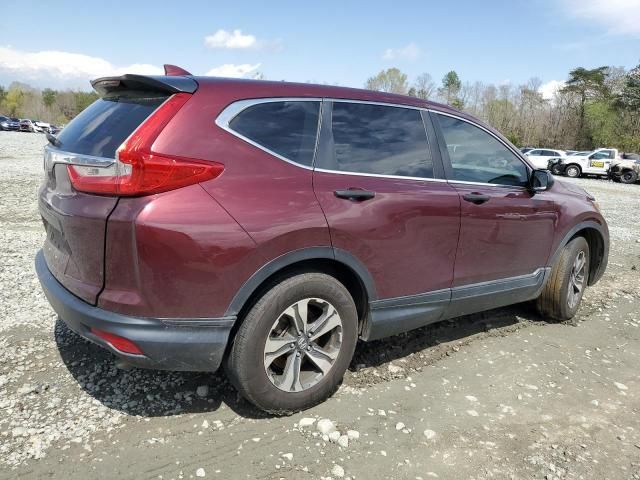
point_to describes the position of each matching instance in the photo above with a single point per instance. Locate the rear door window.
(287, 128)
(103, 126)
(379, 139)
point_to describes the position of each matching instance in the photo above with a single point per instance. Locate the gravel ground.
(497, 395)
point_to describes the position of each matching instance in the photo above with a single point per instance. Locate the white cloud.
(225, 39)
(56, 68)
(408, 52)
(617, 16)
(233, 70)
(236, 40)
(549, 89)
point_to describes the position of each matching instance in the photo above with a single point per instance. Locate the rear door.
(505, 231)
(75, 222)
(380, 187)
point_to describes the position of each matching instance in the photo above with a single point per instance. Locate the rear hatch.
(81, 167)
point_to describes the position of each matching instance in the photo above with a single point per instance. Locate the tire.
(555, 301)
(556, 170)
(629, 176)
(572, 171)
(268, 382)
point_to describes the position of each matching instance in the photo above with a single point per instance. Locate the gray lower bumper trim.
(168, 344)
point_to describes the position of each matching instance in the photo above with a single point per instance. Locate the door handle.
(476, 198)
(354, 194)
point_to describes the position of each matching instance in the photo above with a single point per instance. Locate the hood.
(573, 189)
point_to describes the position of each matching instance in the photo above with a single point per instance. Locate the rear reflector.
(119, 343)
(138, 170)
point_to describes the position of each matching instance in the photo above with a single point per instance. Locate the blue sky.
(64, 43)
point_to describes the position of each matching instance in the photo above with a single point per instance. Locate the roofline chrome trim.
(235, 108)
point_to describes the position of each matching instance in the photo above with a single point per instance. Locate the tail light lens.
(138, 170)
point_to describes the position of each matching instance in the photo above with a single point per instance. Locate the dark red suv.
(193, 221)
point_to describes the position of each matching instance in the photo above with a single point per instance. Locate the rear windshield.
(102, 127)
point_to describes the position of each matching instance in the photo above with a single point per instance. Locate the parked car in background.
(41, 127)
(596, 162)
(26, 125)
(268, 226)
(627, 169)
(540, 157)
(526, 149)
(10, 124)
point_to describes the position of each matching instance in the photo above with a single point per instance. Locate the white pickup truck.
(597, 162)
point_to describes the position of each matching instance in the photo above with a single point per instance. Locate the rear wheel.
(572, 171)
(629, 176)
(562, 294)
(295, 343)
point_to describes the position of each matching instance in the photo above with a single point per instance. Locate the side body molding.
(401, 314)
(283, 261)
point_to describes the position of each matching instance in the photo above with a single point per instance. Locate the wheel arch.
(340, 264)
(597, 238)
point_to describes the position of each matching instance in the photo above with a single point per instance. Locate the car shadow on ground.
(153, 393)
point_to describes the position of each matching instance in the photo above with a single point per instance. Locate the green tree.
(586, 85)
(13, 101)
(84, 99)
(49, 97)
(451, 85)
(391, 80)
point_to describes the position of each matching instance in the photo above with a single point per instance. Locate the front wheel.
(295, 344)
(562, 294)
(629, 176)
(572, 171)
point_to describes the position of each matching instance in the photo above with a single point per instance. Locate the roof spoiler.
(150, 83)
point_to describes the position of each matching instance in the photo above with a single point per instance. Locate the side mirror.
(540, 181)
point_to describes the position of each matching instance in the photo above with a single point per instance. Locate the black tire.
(629, 176)
(245, 364)
(573, 171)
(556, 170)
(554, 301)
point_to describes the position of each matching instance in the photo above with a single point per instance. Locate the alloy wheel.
(303, 344)
(576, 280)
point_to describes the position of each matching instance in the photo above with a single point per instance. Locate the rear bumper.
(168, 344)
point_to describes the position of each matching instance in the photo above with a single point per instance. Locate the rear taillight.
(138, 170)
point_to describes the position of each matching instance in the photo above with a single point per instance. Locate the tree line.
(597, 107)
(53, 106)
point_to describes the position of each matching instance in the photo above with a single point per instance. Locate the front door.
(376, 180)
(506, 232)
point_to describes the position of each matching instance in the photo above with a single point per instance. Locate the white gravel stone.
(400, 426)
(200, 472)
(343, 441)
(430, 434)
(306, 422)
(353, 434)
(338, 471)
(288, 456)
(325, 426)
(334, 436)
